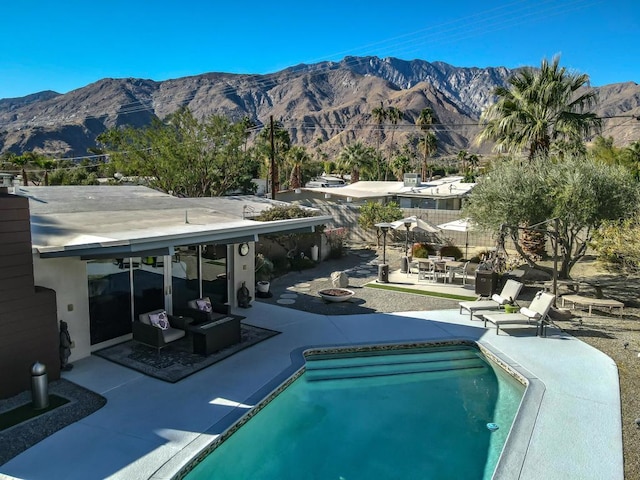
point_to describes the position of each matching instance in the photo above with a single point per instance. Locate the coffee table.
(212, 336)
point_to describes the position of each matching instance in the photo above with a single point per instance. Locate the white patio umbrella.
(416, 224)
(460, 225)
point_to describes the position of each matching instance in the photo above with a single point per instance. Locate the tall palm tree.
(462, 158)
(538, 108)
(425, 121)
(429, 146)
(297, 156)
(379, 115)
(394, 115)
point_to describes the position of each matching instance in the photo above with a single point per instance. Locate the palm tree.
(538, 108)
(429, 145)
(22, 161)
(357, 158)
(462, 157)
(282, 144)
(394, 115)
(474, 161)
(425, 121)
(379, 115)
(297, 156)
(249, 126)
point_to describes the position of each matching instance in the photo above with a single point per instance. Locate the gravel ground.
(17, 439)
(361, 266)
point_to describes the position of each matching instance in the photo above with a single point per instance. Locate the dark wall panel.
(28, 318)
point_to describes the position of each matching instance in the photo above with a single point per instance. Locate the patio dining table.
(433, 268)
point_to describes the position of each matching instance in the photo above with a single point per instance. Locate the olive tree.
(579, 192)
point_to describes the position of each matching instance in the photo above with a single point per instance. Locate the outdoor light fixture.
(383, 268)
(384, 228)
(407, 225)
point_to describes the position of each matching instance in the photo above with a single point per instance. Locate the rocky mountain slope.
(327, 101)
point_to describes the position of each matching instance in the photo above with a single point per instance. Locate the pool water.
(399, 414)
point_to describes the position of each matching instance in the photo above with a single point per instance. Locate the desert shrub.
(618, 244)
(422, 250)
(451, 251)
(335, 240)
(301, 263)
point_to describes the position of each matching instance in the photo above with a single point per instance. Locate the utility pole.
(273, 161)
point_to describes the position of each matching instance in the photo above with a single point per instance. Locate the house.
(439, 194)
(109, 253)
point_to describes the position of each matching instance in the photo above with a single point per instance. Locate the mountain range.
(324, 106)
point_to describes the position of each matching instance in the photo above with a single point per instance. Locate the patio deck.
(149, 428)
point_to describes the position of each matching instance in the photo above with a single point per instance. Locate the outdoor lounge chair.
(535, 313)
(203, 310)
(157, 329)
(509, 293)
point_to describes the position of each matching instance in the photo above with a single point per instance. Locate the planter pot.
(263, 287)
(511, 309)
(336, 294)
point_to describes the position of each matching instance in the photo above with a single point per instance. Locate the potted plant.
(264, 271)
(511, 306)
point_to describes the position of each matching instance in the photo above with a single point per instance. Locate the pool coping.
(512, 457)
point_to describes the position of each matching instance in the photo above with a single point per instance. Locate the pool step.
(441, 362)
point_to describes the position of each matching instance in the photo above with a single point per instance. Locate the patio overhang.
(159, 245)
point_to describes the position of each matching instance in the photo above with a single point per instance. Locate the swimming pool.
(375, 412)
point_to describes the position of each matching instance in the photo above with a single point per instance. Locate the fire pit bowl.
(336, 294)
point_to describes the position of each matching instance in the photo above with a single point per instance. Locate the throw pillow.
(497, 298)
(529, 313)
(159, 320)
(204, 304)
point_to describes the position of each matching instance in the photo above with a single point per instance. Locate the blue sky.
(63, 45)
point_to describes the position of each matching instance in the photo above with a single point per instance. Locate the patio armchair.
(508, 294)
(535, 313)
(157, 329)
(462, 271)
(203, 310)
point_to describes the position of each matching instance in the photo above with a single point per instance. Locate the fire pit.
(336, 294)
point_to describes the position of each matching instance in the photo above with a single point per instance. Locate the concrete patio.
(149, 428)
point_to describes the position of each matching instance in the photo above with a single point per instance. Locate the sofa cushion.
(172, 334)
(204, 304)
(159, 320)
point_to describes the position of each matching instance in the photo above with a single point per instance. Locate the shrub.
(422, 250)
(451, 251)
(301, 263)
(264, 268)
(335, 239)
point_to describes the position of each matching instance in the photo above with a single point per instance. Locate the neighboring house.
(441, 194)
(113, 252)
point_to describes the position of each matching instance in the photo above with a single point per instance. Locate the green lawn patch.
(419, 292)
(27, 412)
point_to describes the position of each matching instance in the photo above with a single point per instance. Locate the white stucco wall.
(68, 277)
(241, 269)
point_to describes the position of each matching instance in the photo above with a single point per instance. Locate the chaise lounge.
(509, 294)
(535, 313)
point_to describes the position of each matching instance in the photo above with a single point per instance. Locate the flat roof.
(92, 220)
(448, 187)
